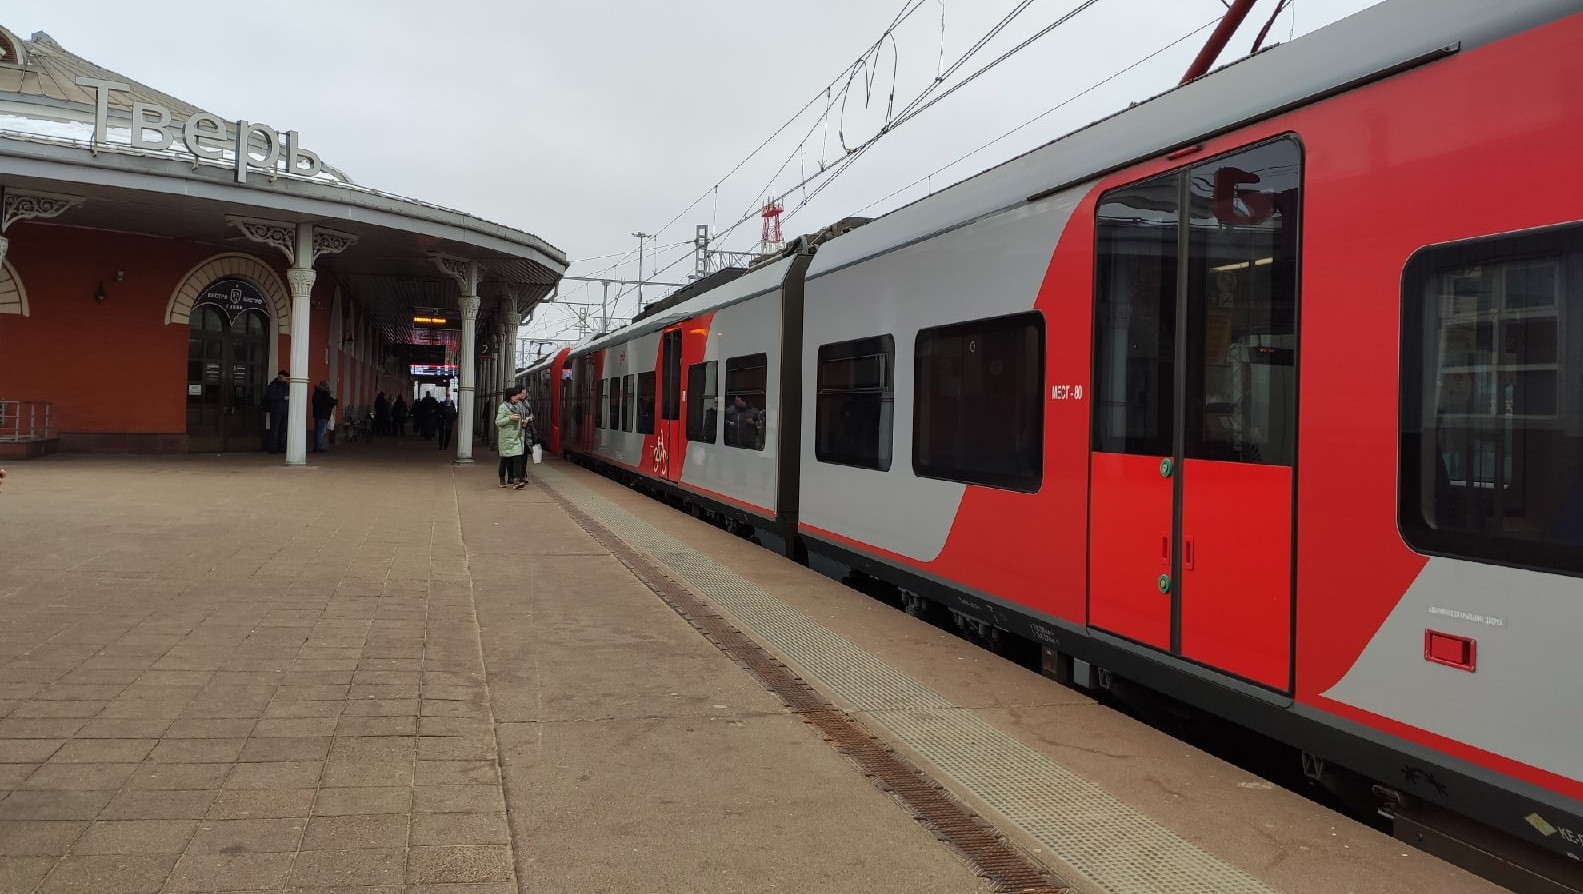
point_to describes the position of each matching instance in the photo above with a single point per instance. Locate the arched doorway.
(227, 367)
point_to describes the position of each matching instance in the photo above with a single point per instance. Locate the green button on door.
(1164, 583)
(1166, 468)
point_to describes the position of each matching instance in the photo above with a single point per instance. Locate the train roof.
(1390, 37)
(1367, 45)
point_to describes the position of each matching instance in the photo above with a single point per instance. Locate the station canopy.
(141, 161)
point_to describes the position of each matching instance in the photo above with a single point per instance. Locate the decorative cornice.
(34, 206)
(270, 232)
(330, 242)
(465, 272)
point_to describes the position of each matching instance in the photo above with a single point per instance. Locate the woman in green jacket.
(511, 420)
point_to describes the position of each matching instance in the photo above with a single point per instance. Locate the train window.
(746, 409)
(1492, 400)
(629, 393)
(671, 375)
(613, 396)
(978, 415)
(702, 414)
(646, 403)
(1135, 318)
(855, 404)
(1241, 370)
(601, 389)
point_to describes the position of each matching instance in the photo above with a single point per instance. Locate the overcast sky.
(585, 121)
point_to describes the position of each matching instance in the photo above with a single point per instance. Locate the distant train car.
(1266, 393)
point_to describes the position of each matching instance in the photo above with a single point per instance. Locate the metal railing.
(25, 420)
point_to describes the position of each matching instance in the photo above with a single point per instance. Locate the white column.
(466, 365)
(508, 344)
(4, 244)
(300, 279)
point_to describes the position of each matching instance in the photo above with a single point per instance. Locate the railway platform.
(381, 673)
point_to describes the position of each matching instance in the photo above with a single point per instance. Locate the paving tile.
(377, 726)
(44, 709)
(109, 874)
(457, 799)
(19, 875)
(79, 777)
(275, 774)
(178, 776)
(229, 872)
(473, 772)
(197, 751)
(454, 726)
(86, 751)
(143, 709)
(54, 805)
(123, 728)
(37, 839)
(247, 836)
(381, 707)
(133, 804)
(456, 748)
(354, 773)
(40, 728)
(434, 829)
(136, 837)
(352, 801)
(373, 748)
(463, 710)
(11, 775)
(459, 865)
(335, 833)
(294, 727)
(319, 693)
(322, 869)
(303, 710)
(361, 691)
(211, 728)
(262, 803)
(305, 748)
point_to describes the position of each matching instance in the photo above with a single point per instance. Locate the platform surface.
(381, 673)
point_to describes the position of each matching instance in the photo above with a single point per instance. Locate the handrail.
(25, 420)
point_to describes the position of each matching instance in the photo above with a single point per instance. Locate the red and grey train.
(1266, 394)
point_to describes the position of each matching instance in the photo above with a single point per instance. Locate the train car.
(543, 381)
(1266, 394)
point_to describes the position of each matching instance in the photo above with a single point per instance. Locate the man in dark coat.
(445, 418)
(398, 416)
(276, 397)
(323, 406)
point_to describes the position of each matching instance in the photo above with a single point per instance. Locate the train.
(1265, 394)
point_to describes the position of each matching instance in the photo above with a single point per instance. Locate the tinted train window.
(746, 410)
(629, 393)
(671, 378)
(703, 417)
(855, 405)
(646, 403)
(613, 397)
(979, 409)
(602, 387)
(1492, 400)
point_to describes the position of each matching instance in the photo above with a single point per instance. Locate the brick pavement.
(381, 674)
(218, 674)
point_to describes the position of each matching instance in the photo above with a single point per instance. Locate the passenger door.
(1194, 430)
(670, 447)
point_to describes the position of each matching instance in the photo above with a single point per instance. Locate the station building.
(159, 263)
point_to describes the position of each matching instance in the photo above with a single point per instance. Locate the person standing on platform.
(445, 421)
(381, 414)
(509, 426)
(277, 397)
(398, 416)
(428, 414)
(323, 406)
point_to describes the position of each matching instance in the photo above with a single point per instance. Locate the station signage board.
(204, 135)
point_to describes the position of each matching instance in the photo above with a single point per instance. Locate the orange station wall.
(114, 367)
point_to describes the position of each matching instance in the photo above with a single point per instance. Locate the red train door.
(670, 449)
(1195, 387)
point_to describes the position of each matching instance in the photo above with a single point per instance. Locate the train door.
(1194, 430)
(670, 449)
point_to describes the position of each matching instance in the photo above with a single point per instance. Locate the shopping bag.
(538, 453)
